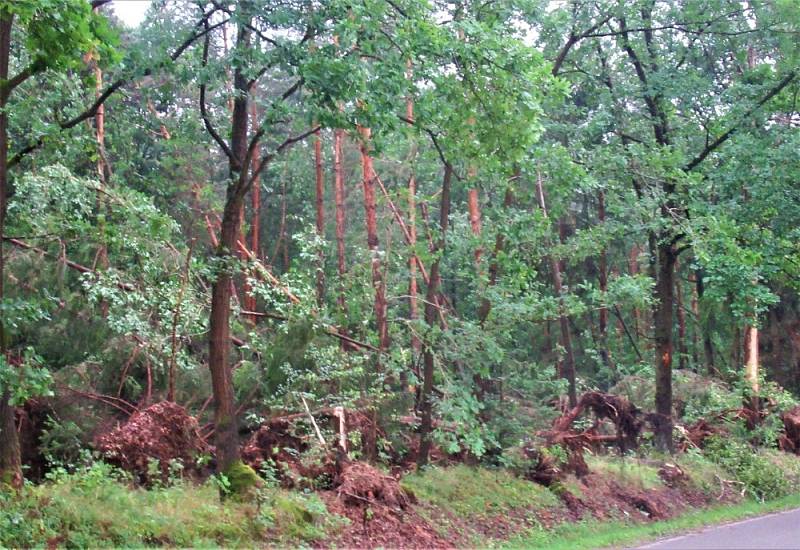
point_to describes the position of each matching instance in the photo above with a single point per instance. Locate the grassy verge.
(96, 508)
(595, 534)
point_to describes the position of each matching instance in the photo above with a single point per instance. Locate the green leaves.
(59, 32)
(25, 378)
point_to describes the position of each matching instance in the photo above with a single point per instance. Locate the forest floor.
(621, 501)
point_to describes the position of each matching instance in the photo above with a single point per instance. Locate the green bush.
(762, 478)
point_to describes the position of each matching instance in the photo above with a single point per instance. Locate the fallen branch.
(69, 263)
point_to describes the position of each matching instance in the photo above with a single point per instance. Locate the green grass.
(475, 492)
(594, 534)
(789, 465)
(95, 509)
(630, 472)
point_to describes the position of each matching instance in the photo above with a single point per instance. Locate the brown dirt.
(360, 483)
(383, 522)
(284, 443)
(790, 440)
(380, 527)
(603, 498)
(697, 433)
(163, 432)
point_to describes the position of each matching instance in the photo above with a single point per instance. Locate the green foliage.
(94, 507)
(761, 478)
(25, 379)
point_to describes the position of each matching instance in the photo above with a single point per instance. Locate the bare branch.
(204, 110)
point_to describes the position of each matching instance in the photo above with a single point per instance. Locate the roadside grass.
(627, 471)
(475, 492)
(96, 508)
(595, 534)
(789, 465)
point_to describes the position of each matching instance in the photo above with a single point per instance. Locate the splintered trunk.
(567, 369)
(103, 172)
(663, 319)
(413, 307)
(10, 459)
(431, 316)
(338, 193)
(320, 210)
(368, 184)
(474, 208)
(751, 363)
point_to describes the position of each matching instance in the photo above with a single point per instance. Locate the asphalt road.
(780, 530)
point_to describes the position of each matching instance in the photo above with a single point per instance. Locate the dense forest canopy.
(449, 216)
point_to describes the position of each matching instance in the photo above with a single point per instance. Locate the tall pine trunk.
(413, 307)
(339, 196)
(370, 211)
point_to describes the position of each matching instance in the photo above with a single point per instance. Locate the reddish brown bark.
(339, 196)
(413, 308)
(368, 185)
(473, 205)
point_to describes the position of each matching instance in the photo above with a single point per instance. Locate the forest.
(397, 273)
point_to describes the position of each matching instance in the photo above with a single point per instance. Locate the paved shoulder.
(775, 531)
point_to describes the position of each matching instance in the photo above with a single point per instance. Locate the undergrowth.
(761, 478)
(97, 507)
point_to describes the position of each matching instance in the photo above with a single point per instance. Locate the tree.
(58, 33)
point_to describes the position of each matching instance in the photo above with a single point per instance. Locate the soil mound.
(360, 483)
(163, 432)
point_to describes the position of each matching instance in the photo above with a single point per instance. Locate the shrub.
(762, 478)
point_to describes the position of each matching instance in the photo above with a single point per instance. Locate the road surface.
(780, 530)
